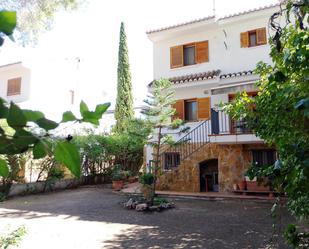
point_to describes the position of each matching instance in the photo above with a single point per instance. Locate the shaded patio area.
(92, 217)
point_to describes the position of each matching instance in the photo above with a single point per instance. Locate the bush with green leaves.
(124, 149)
(281, 112)
(146, 179)
(117, 174)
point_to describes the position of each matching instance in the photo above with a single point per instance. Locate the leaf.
(16, 117)
(91, 117)
(68, 154)
(33, 115)
(22, 140)
(101, 109)
(46, 124)
(39, 150)
(83, 108)
(7, 22)
(67, 117)
(4, 169)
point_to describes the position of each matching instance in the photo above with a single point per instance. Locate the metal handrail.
(188, 144)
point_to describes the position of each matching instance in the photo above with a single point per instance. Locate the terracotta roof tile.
(212, 17)
(250, 11)
(180, 24)
(193, 77)
(10, 64)
(233, 75)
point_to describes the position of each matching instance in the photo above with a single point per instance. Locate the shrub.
(146, 179)
(158, 201)
(117, 174)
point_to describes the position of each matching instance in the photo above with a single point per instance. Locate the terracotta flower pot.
(117, 185)
(131, 179)
(242, 185)
(255, 186)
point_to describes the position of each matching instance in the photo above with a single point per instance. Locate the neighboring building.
(208, 61)
(15, 82)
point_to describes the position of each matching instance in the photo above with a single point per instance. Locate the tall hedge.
(124, 103)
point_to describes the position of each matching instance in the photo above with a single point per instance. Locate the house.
(15, 82)
(208, 61)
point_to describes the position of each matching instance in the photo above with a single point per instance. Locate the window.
(190, 110)
(263, 157)
(14, 86)
(189, 54)
(171, 160)
(253, 38)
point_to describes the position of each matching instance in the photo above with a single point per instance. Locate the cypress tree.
(124, 103)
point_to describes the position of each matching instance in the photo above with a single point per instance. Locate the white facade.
(11, 71)
(225, 54)
(223, 35)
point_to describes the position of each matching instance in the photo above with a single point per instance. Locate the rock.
(129, 204)
(154, 208)
(141, 207)
(167, 205)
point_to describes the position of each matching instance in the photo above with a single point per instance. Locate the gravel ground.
(92, 217)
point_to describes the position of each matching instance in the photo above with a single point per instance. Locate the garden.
(34, 160)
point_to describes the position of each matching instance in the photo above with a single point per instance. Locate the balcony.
(225, 130)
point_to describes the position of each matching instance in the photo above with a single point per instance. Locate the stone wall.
(233, 161)
(187, 176)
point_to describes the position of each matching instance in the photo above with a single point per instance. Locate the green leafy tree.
(279, 114)
(159, 114)
(36, 16)
(124, 103)
(124, 149)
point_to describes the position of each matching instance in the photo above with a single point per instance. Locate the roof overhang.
(238, 87)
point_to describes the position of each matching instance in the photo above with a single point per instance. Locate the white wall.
(15, 71)
(232, 59)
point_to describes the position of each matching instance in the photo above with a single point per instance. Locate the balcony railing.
(221, 123)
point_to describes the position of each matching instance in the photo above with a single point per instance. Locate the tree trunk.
(156, 165)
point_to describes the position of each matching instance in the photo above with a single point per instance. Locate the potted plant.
(243, 184)
(117, 178)
(147, 180)
(131, 178)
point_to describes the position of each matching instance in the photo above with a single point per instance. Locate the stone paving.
(92, 217)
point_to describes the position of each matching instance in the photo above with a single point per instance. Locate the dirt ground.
(92, 217)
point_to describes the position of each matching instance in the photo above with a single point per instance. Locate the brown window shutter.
(202, 52)
(14, 86)
(179, 106)
(203, 108)
(244, 39)
(176, 54)
(261, 36)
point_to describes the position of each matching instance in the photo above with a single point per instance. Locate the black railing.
(222, 124)
(219, 124)
(186, 146)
